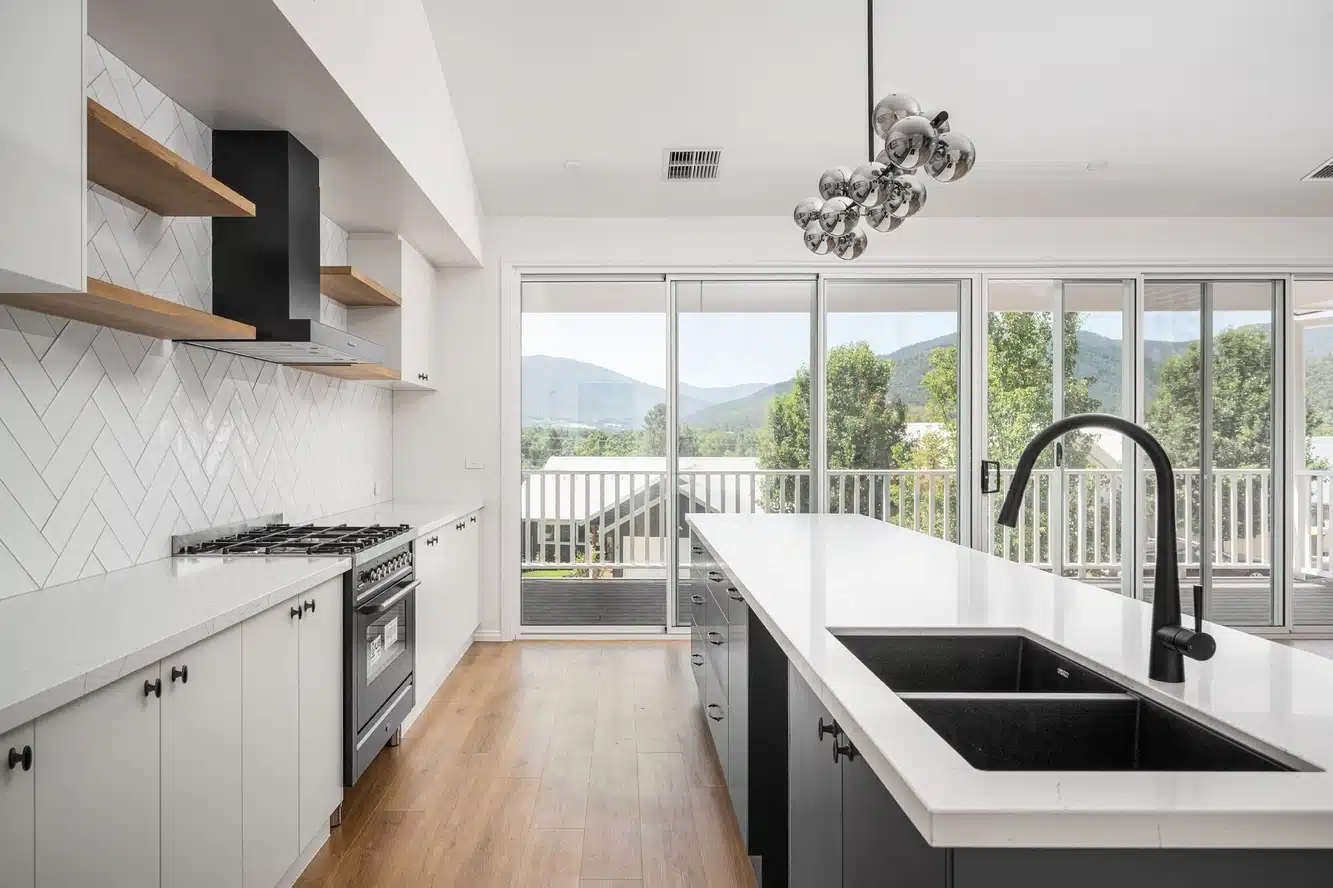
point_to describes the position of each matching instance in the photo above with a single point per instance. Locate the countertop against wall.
(59, 643)
(808, 576)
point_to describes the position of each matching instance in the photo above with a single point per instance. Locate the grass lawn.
(549, 574)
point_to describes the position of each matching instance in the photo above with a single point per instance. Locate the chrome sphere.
(881, 218)
(931, 115)
(891, 109)
(850, 245)
(953, 158)
(867, 185)
(907, 198)
(817, 240)
(910, 142)
(834, 182)
(807, 211)
(839, 216)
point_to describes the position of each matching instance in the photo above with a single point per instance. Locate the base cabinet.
(16, 800)
(814, 791)
(320, 688)
(201, 764)
(98, 792)
(448, 564)
(270, 754)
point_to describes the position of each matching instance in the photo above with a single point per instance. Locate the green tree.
(654, 439)
(866, 425)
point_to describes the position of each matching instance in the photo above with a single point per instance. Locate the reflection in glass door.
(1209, 394)
(891, 401)
(1053, 349)
(1311, 359)
(743, 384)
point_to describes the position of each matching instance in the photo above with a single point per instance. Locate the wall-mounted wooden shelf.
(108, 305)
(343, 283)
(362, 372)
(124, 160)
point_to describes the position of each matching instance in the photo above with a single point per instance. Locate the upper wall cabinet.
(42, 144)
(404, 331)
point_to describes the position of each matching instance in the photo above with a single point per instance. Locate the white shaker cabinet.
(98, 795)
(432, 613)
(201, 764)
(42, 143)
(321, 708)
(17, 759)
(405, 331)
(470, 566)
(270, 760)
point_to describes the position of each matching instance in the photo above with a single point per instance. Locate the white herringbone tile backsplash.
(110, 441)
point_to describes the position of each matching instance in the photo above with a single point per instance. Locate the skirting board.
(303, 860)
(425, 695)
(487, 635)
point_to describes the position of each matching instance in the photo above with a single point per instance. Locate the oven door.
(384, 636)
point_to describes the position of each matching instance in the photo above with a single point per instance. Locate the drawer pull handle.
(715, 576)
(733, 594)
(308, 606)
(697, 599)
(714, 632)
(296, 613)
(23, 758)
(711, 707)
(846, 750)
(152, 688)
(830, 728)
(697, 659)
(696, 550)
(181, 672)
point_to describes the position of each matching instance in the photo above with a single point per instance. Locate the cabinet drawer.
(715, 639)
(718, 584)
(699, 660)
(715, 712)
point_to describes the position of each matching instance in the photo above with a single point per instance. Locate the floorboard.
(560, 764)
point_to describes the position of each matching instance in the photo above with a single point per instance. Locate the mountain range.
(565, 392)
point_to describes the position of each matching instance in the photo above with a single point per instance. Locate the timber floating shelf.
(343, 283)
(124, 160)
(108, 305)
(360, 372)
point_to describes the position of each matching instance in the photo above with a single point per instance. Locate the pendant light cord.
(870, 80)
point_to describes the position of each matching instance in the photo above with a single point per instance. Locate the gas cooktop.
(289, 539)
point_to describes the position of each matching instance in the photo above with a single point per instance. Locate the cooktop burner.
(289, 539)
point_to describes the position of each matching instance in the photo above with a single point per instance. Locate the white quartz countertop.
(423, 516)
(59, 643)
(805, 575)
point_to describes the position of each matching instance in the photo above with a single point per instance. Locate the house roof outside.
(575, 488)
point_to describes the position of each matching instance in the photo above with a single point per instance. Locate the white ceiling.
(1188, 107)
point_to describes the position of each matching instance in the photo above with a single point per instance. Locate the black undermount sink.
(1007, 703)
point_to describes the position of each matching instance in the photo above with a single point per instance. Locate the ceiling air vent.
(1321, 173)
(692, 164)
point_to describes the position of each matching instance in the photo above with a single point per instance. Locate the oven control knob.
(365, 575)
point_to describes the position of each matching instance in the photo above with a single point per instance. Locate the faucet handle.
(1198, 607)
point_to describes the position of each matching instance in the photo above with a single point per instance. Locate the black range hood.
(266, 268)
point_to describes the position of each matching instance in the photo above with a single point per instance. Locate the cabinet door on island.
(814, 791)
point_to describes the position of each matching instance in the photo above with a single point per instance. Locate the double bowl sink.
(1007, 703)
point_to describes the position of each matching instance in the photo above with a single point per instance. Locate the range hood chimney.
(266, 269)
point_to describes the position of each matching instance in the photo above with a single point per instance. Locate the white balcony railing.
(615, 520)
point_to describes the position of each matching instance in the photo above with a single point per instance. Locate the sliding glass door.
(891, 403)
(743, 402)
(1056, 348)
(1209, 397)
(1311, 361)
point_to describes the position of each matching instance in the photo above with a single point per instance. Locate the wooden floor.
(563, 764)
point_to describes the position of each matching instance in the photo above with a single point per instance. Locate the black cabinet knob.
(152, 688)
(309, 605)
(843, 750)
(696, 550)
(183, 673)
(296, 612)
(830, 728)
(710, 636)
(697, 659)
(472, 520)
(715, 576)
(733, 594)
(23, 758)
(713, 706)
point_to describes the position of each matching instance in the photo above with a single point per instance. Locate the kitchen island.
(808, 579)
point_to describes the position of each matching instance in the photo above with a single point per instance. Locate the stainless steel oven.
(381, 629)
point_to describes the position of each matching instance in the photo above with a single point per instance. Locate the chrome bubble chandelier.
(885, 191)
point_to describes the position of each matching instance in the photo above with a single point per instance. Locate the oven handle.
(380, 607)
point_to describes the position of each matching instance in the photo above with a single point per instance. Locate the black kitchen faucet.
(1170, 642)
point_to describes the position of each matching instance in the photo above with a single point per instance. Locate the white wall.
(383, 56)
(110, 442)
(435, 433)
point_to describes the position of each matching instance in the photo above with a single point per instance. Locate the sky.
(719, 349)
